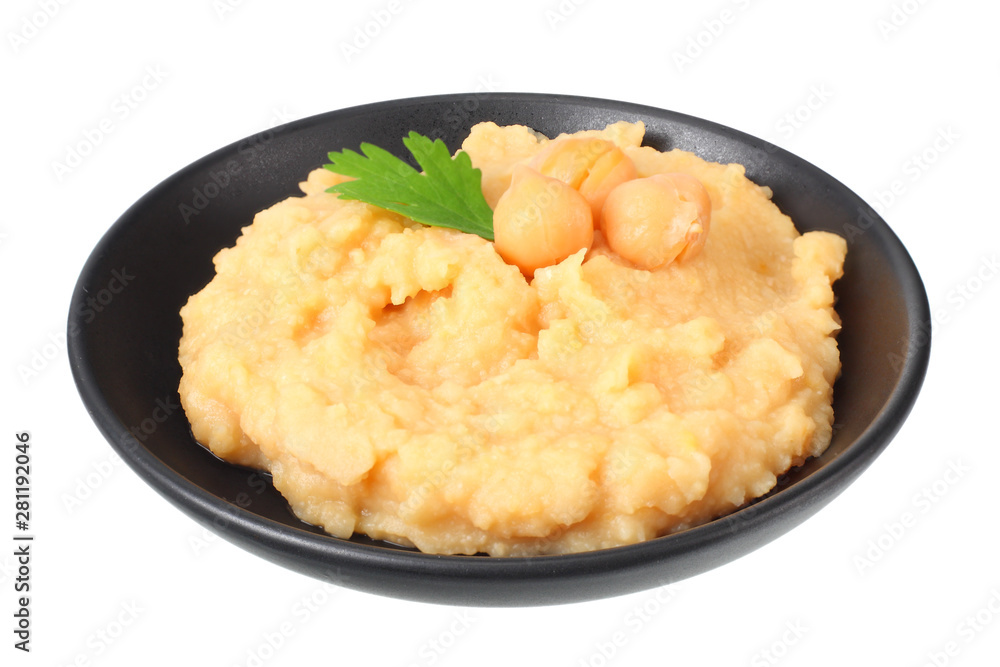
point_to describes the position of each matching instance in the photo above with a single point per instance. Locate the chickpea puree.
(408, 383)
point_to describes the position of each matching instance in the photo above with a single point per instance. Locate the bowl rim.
(244, 526)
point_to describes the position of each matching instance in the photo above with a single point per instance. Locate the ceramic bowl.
(124, 329)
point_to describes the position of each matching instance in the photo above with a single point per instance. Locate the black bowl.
(124, 328)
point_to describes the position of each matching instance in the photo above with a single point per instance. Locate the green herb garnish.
(448, 194)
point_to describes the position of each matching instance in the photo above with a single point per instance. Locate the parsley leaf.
(448, 194)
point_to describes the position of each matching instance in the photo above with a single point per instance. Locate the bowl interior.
(124, 329)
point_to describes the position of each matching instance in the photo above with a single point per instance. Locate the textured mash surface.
(404, 382)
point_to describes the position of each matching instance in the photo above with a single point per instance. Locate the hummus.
(405, 382)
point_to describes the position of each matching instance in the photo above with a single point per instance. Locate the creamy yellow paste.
(404, 382)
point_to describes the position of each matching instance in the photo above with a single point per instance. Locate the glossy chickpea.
(540, 221)
(657, 220)
(611, 170)
(591, 165)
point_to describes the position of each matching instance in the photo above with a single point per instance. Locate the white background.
(122, 578)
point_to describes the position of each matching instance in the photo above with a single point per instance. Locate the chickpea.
(656, 220)
(611, 170)
(570, 159)
(593, 166)
(540, 221)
